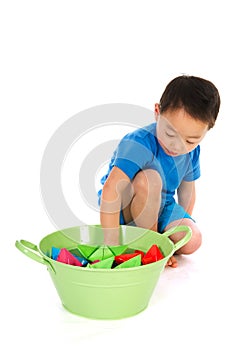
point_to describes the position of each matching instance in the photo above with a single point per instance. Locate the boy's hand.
(111, 201)
(111, 236)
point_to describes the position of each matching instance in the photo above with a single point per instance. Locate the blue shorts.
(171, 212)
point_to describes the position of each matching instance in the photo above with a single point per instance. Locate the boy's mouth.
(167, 151)
(170, 153)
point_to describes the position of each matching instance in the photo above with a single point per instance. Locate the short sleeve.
(193, 171)
(132, 155)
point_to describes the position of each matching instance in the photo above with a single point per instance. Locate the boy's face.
(178, 132)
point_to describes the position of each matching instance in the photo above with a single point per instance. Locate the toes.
(172, 262)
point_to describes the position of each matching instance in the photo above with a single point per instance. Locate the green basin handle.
(184, 240)
(30, 250)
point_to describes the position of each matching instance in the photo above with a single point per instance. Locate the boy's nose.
(178, 146)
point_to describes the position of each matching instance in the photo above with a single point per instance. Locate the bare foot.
(172, 262)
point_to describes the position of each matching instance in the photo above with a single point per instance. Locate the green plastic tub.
(104, 293)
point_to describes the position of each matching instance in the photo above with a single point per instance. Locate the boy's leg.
(142, 201)
(195, 241)
(141, 204)
(191, 246)
(172, 216)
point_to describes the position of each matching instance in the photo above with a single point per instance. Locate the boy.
(152, 164)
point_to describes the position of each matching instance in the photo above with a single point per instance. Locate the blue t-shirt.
(140, 150)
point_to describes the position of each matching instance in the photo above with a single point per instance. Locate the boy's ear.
(157, 111)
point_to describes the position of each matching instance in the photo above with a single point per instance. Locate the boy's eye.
(169, 135)
(190, 143)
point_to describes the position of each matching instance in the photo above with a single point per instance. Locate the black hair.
(199, 98)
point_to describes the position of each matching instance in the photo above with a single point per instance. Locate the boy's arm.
(187, 195)
(110, 206)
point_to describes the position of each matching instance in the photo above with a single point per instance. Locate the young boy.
(152, 164)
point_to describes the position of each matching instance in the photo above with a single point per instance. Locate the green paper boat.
(118, 249)
(101, 253)
(134, 262)
(87, 250)
(104, 264)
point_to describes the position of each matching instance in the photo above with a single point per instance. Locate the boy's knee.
(196, 239)
(194, 243)
(147, 180)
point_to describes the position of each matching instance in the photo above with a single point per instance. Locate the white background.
(61, 57)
